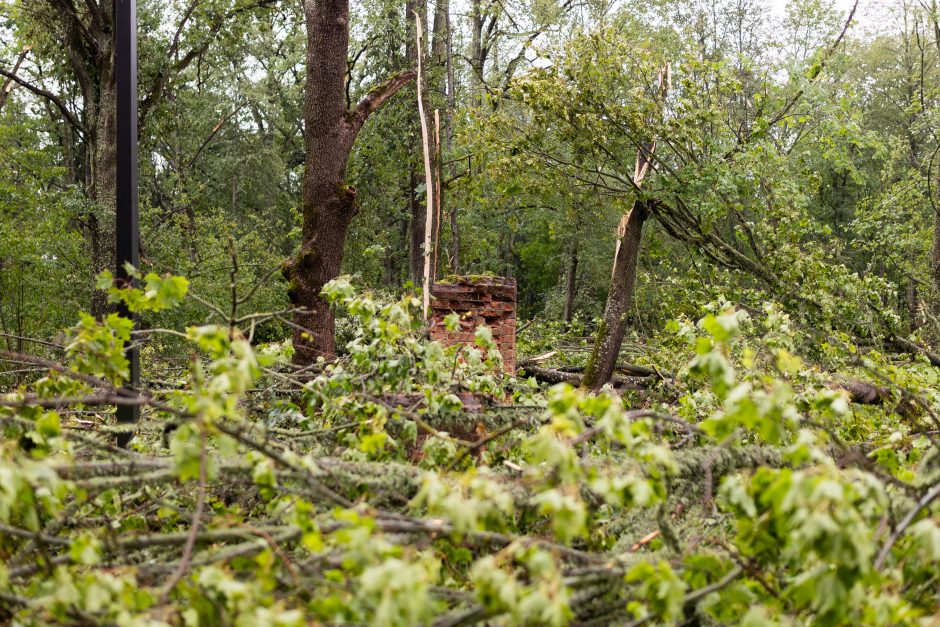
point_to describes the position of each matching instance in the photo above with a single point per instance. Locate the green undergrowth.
(407, 483)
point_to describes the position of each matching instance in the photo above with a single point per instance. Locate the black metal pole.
(127, 228)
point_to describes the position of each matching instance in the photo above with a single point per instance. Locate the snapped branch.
(376, 98)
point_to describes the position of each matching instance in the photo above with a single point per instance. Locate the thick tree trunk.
(603, 360)
(451, 87)
(476, 51)
(438, 46)
(435, 163)
(392, 264)
(93, 66)
(329, 204)
(100, 231)
(438, 81)
(454, 242)
(417, 211)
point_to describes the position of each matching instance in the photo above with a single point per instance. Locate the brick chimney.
(483, 300)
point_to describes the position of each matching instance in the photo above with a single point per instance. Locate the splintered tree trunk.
(426, 278)
(603, 360)
(8, 84)
(600, 367)
(329, 204)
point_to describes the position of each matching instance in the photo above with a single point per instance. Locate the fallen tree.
(277, 500)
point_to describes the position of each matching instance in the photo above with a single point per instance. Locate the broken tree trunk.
(613, 327)
(428, 177)
(9, 84)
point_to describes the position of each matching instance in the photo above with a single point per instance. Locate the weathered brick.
(489, 301)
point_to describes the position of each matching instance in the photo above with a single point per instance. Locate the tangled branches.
(403, 486)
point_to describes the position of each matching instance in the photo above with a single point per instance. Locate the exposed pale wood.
(438, 211)
(540, 358)
(428, 176)
(644, 158)
(9, 84)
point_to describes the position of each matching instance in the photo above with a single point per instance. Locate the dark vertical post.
(127, 249)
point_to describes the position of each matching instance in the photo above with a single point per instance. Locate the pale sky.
(867, 16)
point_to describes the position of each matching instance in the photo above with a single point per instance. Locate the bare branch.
(8, 83)
(926, 500)
(48, 95)
(377, 97)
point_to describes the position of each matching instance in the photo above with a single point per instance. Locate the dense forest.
(698, 382)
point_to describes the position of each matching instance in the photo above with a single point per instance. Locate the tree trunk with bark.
(90, 51)
(417, 212)
(603, 361)
(86, 34)
(935, 252)
(104, 181)
(329, 203)
(477, 54)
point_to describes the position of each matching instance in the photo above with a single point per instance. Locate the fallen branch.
(925, 500)
(197, 517)
(553, 376)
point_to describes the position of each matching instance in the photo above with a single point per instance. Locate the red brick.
(489, 301)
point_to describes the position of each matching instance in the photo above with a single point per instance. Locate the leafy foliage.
(767, 451)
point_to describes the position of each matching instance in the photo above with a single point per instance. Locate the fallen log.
(643, 378)
(553, 376)
(863, 392)
(627, 369)
(907, 346)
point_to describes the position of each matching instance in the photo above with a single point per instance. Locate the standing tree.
(76, 41)
(329, 203)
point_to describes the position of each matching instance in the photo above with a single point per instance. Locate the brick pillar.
(489, 301)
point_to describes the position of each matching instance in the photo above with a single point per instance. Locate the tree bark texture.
(613, 327)
(603, 360)
(417, 212)
(329, 203)
(90, 52)
(86, 31)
